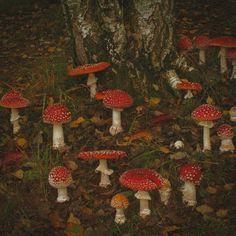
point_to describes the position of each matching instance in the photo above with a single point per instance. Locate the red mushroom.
(103, 156)
(90, 69)
(201, 42)
(231, 54)
(226, 134)
(189, 87)
(205, 115)
(144, 180)
(117, 100)
(57, 114)
(191, 174)
(223, 43)
(232, 113)
(60, 178)
(185, 43)
(14, 100)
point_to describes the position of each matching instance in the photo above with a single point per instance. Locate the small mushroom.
(226, 134)
(205, 114)
(232, 113)
(120, 202)
(57, 114)
(191, 174)
(185, 44)
(60, 178)
(103, 156)
(117, 100)
(189, 87)
(14, 100)
(201, 43)
(90, 69)
(178, 144)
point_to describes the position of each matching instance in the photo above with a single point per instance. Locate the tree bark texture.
(134, 35)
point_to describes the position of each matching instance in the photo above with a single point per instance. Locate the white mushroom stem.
(15, 120)
(189, 193)
(120, 216)
(202, 56)
(206, 134)
(227, 145)
(188, 94)
(116, 122)
(92, 84)
(165, 192)
(233, 75)
(62, 195)
(58, 136)
(144, 197)
(105, 172)
(223, 61)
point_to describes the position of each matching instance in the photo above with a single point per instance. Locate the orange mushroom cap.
(119, 201)
(189, 86)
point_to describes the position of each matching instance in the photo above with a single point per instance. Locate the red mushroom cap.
(206, 112)
(225, 131)
(189, 86)
(56, 113)
(185, 43)
(14, 99)
(231, 53)
(229, 42)
(117, 99)
(102, 154)
(89, 68)
(190, 173)
(201, 41)
(100, 95)
(60, 177)
(141, 179)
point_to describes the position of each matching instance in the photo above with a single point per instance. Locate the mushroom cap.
(119, 201)
(60, 177)
(201, 41)
(100, 95)
(191, 173)
(13, 99)
(141, 179)
(117, 99)
(225, 131)
(227, 42)
(189, 86)
(56, 113)
(89, 68)
(102, 154)
(206, 112)
(231, 53)
(185, 43)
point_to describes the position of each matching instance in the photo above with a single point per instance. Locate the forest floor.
(34, 55)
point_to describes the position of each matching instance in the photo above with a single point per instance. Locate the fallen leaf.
(164, 149)
(73, 219)
(87, 211)
(229, 187)
(56, 220)
(204, 209)
(21, 142)
(178, 155)
(146, 135)
(51, 49)
(71, 165)
(77, 122)
(211, 190)
(222, 213)
(153, 101)
(18, 174)
(170, 228)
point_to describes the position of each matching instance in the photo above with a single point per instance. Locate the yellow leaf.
(77, 122)
(73, 219)
(204, 209)
(153, 101)
(22, 142)
(164, 149)
(222, 213)
(225, 112)
(18, 174)
(146, 135)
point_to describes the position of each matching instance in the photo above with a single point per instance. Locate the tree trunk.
(135, 36)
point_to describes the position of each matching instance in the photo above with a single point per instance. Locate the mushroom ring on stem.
(60, 178)
(191, 174)
(205, 114)
(103, 156)
(14, 100)
(144, 180)
(90, 69)
(117, 100)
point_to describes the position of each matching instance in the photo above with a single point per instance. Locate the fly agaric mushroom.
(232, 113)
(201, 43)
(120, 202)
(144, 180)
(231, 54)
(205, 114)
(57, 114)
(185, 43)
(103, 156)
(14, 100)
(226, 134)
(189, 87)
(223, 43)
(191, 174)
(117, 100)
(60, 178)
(90, 69)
